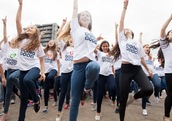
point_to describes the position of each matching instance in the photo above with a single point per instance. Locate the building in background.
(50, 32)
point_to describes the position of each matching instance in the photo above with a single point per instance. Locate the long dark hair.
(103, 42)
(53, 48)
(116, 51)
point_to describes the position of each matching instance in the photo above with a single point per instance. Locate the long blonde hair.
(65, 33)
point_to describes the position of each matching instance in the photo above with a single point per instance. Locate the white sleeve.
(40, 51)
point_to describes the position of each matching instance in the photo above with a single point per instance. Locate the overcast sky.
(146, 16)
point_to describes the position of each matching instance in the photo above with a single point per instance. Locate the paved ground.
(133, 112)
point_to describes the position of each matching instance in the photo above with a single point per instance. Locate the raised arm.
(75, 9)
(162, 33)
(140, 37)
(61, 27)
(121, 24)
(5, 29)
(18, 17)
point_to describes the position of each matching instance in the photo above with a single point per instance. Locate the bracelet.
(125, 7)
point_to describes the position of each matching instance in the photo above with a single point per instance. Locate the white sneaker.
(54, 104)
(157, 99)
(94, 107)
(97, 117)
(145, 113)
(130, 99)
(12, 101)
(58, 117)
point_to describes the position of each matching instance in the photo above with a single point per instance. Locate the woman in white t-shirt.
(166, 46)
(10, 51)
(86, 69)
(132, 55)
(52, 69)
(30, 63)
(67, 50)
(106, 75)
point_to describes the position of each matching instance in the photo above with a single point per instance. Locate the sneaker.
(58, 117)
(157, 99)
(4, 117)
(45, 110)
(82, 102)
(36, 106)
(92, 103)
(66, 106)
(166, 119)
(54, 104)
(97, 117)
(144, 112)
(30, 103)
(12, 101)
(148, 103)
(94, 107)
(130, 99)
(117, 109)
(161, 97)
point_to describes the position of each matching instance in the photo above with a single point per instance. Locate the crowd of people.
(74, 64)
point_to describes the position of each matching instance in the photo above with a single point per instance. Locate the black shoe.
(117, 109)
(36, 106)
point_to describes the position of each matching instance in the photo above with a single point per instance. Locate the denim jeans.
(65, 82)
(48, 80)
(27, 86)
(12, 78)
(56, 87)
(156, 83)
(163, 84)
(83, 76)
(1, 91)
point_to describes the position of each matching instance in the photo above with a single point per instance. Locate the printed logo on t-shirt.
(149, 62)
(70, 56)
(160, 68)
(106, 59)
(49, 57)
(26, 53)
(90, 37)
(12, 59)
(131, 48)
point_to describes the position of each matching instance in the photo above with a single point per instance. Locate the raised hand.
(64, 21)
(20, 1)
(4, 20)
(125, 4)
(100, 37)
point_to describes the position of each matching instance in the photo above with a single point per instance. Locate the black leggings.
(168, 99)
(131, 72)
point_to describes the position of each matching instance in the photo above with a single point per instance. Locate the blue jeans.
(156, 83)
(65, 82)
(48, 80)
(163, 84)
(27, 85)
(83, 76)
(56, 87)
(12, 78)
(1, 91)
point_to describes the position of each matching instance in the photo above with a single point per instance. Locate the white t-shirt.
(131, 50)
(49, 62)
(29, 59)
(11, 56)
(67, 57)
(167, 51)
(159, 69)
(150, 66)
(1, 57)
(84, 42)
(117, 64)
(106, 62)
